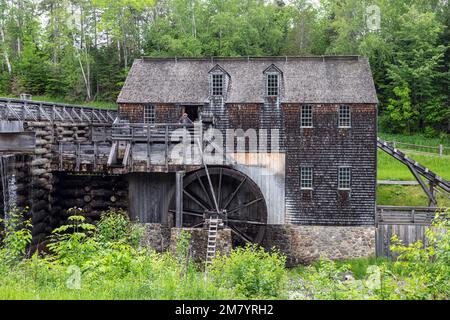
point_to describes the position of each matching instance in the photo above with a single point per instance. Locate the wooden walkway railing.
(439, 150)
(131, 147)
(405, 215)
(24, 110)
(160, 132)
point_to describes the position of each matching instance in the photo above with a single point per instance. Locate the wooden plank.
(179, 199)
(11, 126)
(397, 183)
(17, 142)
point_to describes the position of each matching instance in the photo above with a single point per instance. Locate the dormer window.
(272, 81)
(218, 82)
(272, 85)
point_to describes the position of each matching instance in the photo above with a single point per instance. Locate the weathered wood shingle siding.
(164, 113)
(132, 112)
(325, 148)
(250, 116)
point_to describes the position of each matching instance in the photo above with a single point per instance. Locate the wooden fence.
(440, 150)
(408, 223)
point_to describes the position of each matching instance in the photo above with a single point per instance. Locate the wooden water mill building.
(282, 150)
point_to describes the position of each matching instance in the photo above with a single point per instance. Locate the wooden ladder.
(212, 239)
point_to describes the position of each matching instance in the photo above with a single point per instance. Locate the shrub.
(251, 271)
(16, 236)
(115, 226)
(72, 244)
(426, 269)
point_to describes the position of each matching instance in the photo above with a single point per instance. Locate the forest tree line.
(83, 49)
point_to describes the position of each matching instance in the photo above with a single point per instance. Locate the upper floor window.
(306, 178)
(149, 114)
(273, 87)
(273, 81)
(217, 84)
(306, 117)
(345, 178)
(345, 119)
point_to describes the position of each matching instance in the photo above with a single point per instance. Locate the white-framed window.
(306, 117)
(217, 84)
(273, 84)
(306, 178)
(149, 114)
(345, 178)
(345, 117)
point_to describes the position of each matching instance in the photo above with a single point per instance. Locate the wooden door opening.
(193, 112)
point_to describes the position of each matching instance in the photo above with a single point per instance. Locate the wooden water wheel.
(237, 200)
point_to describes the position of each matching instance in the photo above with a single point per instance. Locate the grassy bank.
(95, 104)
(392, 169)
(407, 196)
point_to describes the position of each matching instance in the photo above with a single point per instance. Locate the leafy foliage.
(419, 273)
(252, 271)
(105, 262)
(16, 237)
(426, 268)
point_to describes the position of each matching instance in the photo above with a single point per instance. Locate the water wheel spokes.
(231, 196)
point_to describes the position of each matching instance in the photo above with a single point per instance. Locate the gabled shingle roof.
(305, 80)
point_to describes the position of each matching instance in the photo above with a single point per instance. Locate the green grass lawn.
(391, 169)
(407, 196)
(96, 104)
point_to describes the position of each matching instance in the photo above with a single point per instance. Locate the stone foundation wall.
(199, 241)
(301, 244)
(162, 238)
(156, 237)
(306, 244)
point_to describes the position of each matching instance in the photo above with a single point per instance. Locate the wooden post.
(95, 155)
(167, 147)
(179, 199)
(441, 150)
(148, 148)
(60, 147)
(433, 194)
(77, 156)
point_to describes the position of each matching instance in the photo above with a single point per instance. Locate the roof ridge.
(255, 58)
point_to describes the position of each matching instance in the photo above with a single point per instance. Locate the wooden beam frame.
(428, 192)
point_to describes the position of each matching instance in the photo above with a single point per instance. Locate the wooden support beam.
(17, 142)
(430, 195)
(433, 193)
(166, 155)
(179, 199)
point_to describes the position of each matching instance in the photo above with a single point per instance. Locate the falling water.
(8, 183)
